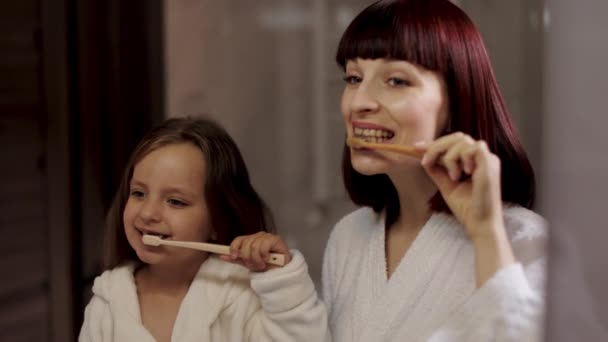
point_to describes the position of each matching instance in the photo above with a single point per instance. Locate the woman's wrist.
(487, 229)
(492, 251)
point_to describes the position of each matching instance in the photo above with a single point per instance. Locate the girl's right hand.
(251, 251)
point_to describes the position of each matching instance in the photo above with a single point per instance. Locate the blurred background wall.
(575, 165)
(81, 81)
(266, 70)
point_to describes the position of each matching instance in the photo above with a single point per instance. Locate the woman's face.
(393, 102)
(167, 198)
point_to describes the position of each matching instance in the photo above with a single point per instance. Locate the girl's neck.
(169, 277)
(415, 189)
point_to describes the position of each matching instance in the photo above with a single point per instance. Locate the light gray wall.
(258, 67)
(513, 33)
(255, 67)
(265, 70)
(574, 180)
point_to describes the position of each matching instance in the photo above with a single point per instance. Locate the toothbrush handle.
(273, 258)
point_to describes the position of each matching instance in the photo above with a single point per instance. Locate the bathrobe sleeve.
(510, 305)
(97, 325)
(290, 308)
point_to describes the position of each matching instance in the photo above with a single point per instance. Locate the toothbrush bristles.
(151, 240)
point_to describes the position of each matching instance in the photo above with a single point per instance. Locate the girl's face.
(393, 102)
(166, 198)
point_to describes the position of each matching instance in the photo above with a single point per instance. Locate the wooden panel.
(25, 317)
(27, 270)
(19, 60)
(24, 292)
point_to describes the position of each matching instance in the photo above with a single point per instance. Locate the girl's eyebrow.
(135, 182)
(179, 190)
(169, 189)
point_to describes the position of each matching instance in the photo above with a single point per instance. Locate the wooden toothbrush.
(403, 149)
(151, 240)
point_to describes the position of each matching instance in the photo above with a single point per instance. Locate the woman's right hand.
(474, 199)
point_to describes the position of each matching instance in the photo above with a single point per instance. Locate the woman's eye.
(177, 203)
(137, 194)
(349, 79)
(398, 82)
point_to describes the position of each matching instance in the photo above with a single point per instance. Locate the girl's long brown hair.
(234, 206)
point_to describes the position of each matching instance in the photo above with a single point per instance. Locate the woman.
(445, 248)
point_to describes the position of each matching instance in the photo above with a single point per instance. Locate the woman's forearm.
(492, 251)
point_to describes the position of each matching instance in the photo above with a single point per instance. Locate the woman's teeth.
(372, 135)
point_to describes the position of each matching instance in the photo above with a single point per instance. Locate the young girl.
(445, 248)
(186, 180)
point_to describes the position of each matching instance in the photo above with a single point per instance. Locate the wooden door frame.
(93, 105)
(55, 90)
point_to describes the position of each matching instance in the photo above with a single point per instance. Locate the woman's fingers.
(448, 151)
(439, 176)
(468, 159)
(454, 160)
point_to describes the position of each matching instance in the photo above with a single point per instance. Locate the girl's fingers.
(252, 251)
(256, 255)
(245, 251)
(266, 245)
(235, 247)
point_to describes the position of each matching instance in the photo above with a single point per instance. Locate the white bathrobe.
(225, 302)
(432, 294)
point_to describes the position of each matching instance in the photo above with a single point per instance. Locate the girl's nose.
(150, 210)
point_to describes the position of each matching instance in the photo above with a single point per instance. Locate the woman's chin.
(368, 169)
(369, 163)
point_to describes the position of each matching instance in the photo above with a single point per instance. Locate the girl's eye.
(177, 203)
(349, 79)
(398, 82)
(137, 194)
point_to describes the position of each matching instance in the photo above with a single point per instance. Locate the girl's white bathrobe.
(225, 302)
(432, 294)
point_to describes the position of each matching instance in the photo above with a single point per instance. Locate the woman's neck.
(414, 189)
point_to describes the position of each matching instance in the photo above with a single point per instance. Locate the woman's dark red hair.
(438, 36)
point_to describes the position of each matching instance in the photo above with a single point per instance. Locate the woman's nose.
(364, 100)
